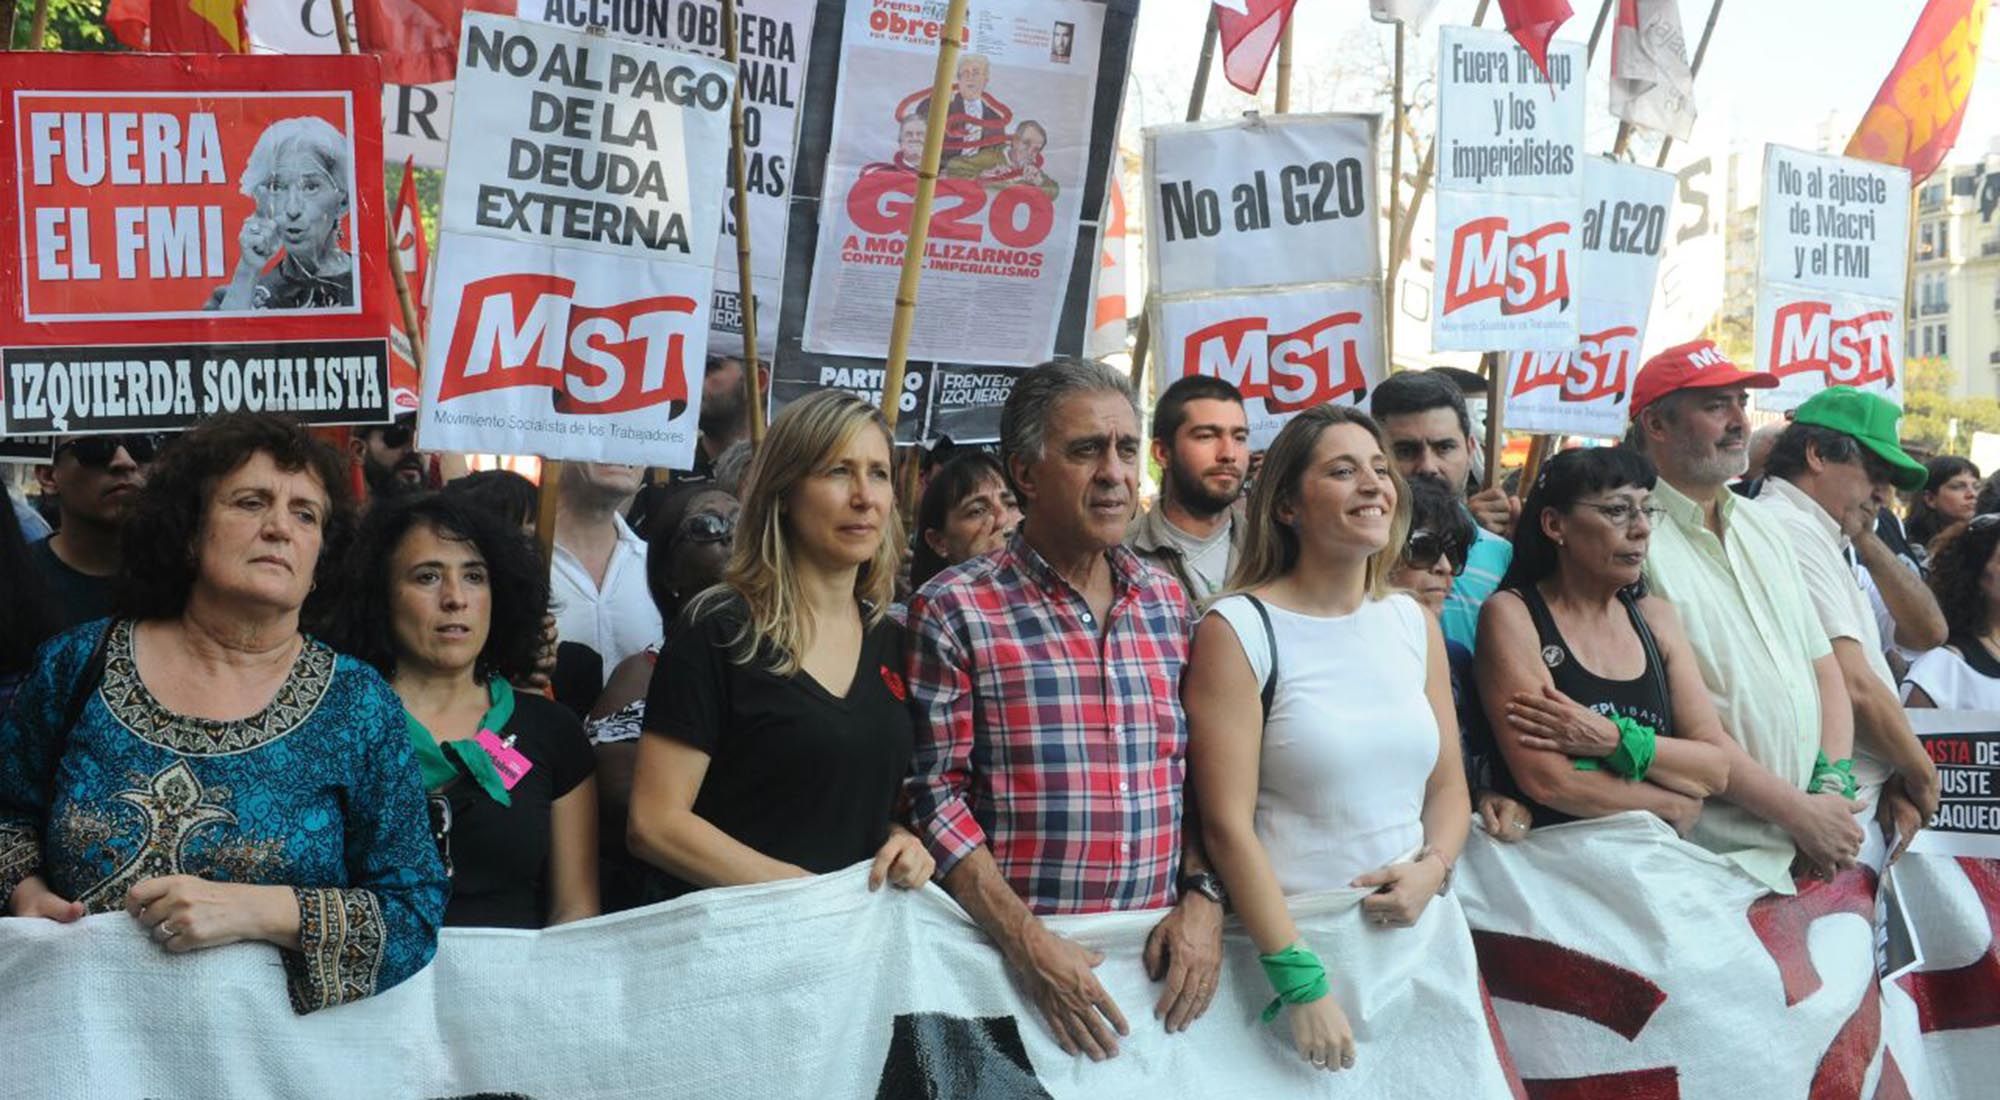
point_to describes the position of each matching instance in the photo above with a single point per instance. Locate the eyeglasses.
(708, 527)
(99, 450)
(1426, 546)
(1622, 514)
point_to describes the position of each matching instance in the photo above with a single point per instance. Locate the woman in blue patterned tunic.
(202, 764)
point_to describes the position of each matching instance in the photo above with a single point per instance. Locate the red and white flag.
(1533, 23)
(1651, 84)
(1409, 12)
(417, 39)
(1250, 30)
(410, 246)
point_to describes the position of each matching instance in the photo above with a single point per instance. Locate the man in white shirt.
(1827, 476)
(1201, 440)
(598, 578)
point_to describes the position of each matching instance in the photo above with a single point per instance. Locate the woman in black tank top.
(1594, 721)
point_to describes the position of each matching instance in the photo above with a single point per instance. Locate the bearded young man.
(1201, 441)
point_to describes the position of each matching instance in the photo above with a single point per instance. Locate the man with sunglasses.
(93, 480)
(388, 457)
(1827, 477)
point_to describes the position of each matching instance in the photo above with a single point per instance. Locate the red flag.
(1916, 115)
(1533, 23)
(417, 39)
(1250, 30)
(416, 255)
(179, 26)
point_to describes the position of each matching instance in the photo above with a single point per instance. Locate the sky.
(1775, 71)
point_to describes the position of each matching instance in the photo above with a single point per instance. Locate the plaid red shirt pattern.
(1059, 746)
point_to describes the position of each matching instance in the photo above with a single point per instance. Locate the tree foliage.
(1929, 409)
(73, 25)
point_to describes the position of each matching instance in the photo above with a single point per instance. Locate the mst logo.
(1524, 271)
(1601, 366)
(1806, 338)
(526, 330)
(1312, 365)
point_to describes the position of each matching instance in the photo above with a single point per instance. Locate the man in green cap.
(1828, 474)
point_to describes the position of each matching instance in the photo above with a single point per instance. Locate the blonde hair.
(1270, 546)
(803, 437)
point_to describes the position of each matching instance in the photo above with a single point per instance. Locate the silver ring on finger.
(1319, 1059)
(1347, 1061)
(167, 931)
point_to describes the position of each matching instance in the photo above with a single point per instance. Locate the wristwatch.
(1205, 883)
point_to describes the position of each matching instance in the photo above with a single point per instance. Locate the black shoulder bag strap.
(1271, 647)
(1656, 666)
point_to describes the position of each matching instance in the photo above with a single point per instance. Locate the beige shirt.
(1841, 604)
(1755, 637)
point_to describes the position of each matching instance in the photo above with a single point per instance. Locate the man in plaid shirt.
(1051, 745)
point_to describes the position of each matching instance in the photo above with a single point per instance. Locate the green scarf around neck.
(436, 759)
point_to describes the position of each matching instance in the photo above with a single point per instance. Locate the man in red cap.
(1829, 473)
(1727, 567)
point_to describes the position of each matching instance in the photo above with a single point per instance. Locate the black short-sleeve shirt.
(795, 772)
(500, 854)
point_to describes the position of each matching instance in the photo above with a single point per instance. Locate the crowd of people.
(244, 708)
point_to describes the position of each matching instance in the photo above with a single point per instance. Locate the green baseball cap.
(1871, 420)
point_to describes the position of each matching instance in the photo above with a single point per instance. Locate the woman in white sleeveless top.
(1353, 778)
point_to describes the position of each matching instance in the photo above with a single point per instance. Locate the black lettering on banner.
(1968, 769)
(125, 388)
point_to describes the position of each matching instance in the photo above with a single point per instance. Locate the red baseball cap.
(1695, 365)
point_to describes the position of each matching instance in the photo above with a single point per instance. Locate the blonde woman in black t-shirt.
(776, 734)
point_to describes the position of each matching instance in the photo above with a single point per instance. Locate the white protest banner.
(1509, 194)
(801, 988)
(1583, 391)
(1689, 289)
(1004, 225)
(416, 118)
(576, 247)
(774, 40)
(1953, 905)
(1264, 260)
(1624, 961)
(1833, 241)
(1286, 350)
(1965, 747)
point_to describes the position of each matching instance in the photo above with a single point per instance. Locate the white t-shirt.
(1951, 683)
(616, 620)
(1350, 741)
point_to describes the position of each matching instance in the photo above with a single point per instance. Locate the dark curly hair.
(362, 624)
(1958, 559)
(165, 524)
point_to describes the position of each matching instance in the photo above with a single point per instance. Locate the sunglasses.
(707, 527)
(394, 436)
(439, 809)
(99, 450)
(1983, 522)
(1426, 546)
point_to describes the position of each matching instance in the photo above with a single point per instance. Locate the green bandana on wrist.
(1637, 744)
(1833, 777)
(1297, 975)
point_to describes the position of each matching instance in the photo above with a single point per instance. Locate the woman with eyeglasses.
(1433, 557)
(1964, 673)
(93, 480)
(1591, 687)
(447, 602)
(776, 733)
(688, 539)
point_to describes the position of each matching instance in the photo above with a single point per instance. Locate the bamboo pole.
(1284, 97)
(1539, 449)
(546, 496)
(1395, 195)
(1496, 413)
(399, 278)
(753, 387)
(905, 315)
(1694, 70)
(1142, 336)
(1399, 236)
(37, 30)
